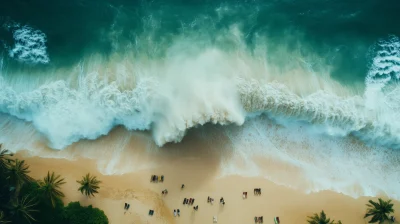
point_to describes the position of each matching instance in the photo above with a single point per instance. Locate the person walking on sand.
(179, 212)
(183, 186)
(174, 213)
(126, 205)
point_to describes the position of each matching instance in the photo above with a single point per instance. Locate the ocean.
(309, 85)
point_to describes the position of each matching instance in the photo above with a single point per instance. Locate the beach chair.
(215, 220)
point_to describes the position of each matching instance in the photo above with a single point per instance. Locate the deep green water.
(340, 32)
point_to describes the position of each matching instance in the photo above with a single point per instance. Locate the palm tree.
(319, 219)
(50, 185)
(18, 175)
(379, 211)
(23, 209)
(2, 219)
(89, 185)
(5, 159)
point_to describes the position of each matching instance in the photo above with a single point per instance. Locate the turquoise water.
(322, 62)
(341, 33)
(312, 84)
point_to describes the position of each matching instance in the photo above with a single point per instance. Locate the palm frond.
(2, 218)
(50, 185)
(24, 208)
(319, 219)
(89, 185)
(18, 172)
(5, 158)
(379, 211)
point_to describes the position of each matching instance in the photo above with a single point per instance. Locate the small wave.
(29, 44)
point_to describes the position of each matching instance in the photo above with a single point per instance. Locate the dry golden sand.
(200, 179)
(196, 162)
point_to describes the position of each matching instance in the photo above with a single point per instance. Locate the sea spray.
(183, 92)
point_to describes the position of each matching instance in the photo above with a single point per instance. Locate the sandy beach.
(201, 180)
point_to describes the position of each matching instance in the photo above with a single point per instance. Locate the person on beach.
(179, 212)
(192, 201)
(184, 201)
(174, 213)
(162, 178)
(221, 200)
(208, 199)
(127, 208)
(183, 186)
(126, 205)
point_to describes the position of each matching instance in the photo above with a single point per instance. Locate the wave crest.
(182, 92)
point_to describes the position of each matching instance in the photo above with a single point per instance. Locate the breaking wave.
(180, 92)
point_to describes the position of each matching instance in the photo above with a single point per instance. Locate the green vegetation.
(23, 209)
(321, 219)
(5, 159)
(89, 185)
(379, 211)
(50, 186)
(2, 218)
(17, 175)
(26, 201)
(78, 214)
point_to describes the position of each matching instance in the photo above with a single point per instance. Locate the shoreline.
(292, 206)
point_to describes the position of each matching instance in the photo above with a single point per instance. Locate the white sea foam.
(29, 45)
(184, 91)
(303, 157)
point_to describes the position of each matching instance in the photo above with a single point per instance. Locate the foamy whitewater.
(29, 46)
(273, 101)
